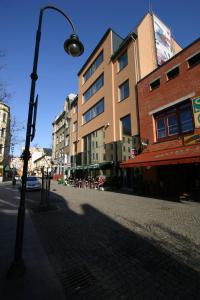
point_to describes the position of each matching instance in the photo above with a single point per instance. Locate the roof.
(95, 49)
(125, 42)
(179, 155)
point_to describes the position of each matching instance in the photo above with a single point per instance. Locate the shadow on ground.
(97, 258)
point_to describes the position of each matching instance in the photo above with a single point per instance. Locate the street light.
(73, 47)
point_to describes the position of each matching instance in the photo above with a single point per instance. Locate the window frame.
(152, 82)
(164, 116)
(120, 57)
(93, 89)
(93, 67)
(170, 71)
(192, 57)
(120, 91)
(75, 126)
(93, 112)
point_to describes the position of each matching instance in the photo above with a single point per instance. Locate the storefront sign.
(192, 139)
(196, 111)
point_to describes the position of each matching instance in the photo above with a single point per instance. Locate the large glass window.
(124, 90)
(126, 125)
(126, 137)
(123, 61)
(94, 111)
(174, 121)
(94, 88)
(93, 154)
(93, 67)
(75, 126)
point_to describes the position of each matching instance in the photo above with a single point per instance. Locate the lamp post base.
(16, 270)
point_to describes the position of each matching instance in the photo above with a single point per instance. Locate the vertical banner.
(162, 40)
(196, 111)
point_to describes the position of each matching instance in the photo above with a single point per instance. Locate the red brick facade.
(187, 82)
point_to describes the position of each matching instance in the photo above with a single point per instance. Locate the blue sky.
(57, 72)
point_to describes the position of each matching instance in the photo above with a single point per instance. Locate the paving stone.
(130, 247)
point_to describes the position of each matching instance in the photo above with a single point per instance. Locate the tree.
(4, 95)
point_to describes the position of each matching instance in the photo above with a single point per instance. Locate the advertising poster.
(162, 40)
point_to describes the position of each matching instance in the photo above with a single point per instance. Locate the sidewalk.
(39, 282)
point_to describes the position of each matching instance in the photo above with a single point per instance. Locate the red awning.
(181, 155)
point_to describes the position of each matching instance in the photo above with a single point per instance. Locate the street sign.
(196, 111)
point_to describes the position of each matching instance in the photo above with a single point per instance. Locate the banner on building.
(163, 41)
(196, 111)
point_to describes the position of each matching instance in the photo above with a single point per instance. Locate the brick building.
(169, 118)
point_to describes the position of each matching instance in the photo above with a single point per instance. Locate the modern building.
(61, 136)
(169, 119)
(105, 126)
(4, 140)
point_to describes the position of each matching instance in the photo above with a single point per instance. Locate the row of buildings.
(40, 160)
(137, 113)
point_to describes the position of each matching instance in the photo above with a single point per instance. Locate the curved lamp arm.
(62, 13)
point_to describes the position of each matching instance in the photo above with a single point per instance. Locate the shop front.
(170, 173)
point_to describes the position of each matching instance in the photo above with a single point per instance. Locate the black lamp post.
(73, 47)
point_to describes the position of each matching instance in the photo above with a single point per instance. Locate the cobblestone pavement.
(106, 245)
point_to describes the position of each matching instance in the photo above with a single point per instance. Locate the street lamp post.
(73, 47)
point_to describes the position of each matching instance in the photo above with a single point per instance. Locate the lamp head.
(73, 45)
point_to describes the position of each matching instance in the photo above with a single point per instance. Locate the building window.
(96, 144)
(124, 90)
(1, 149)
(173, 73)
(94, 111)
(75, 148)
(76, 108)
(4, 117)
(75, 126)
(94, 88)
(174, 121)
(111, 146)
(2, 132)
(194, 60)
(123, 61)
(67, 140)
(126, 126)
(155, 84)
(89, 142)
(93, 67)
